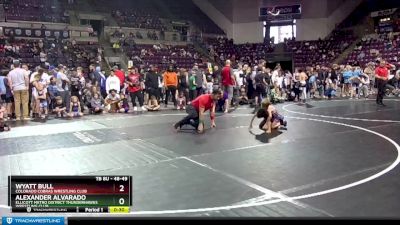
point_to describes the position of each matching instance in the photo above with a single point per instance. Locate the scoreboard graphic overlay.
(70, 194)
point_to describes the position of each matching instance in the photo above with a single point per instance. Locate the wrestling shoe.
(177, 127)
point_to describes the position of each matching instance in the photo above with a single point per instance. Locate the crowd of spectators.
(137, 19)
(251, 84)
(46, 91)
(67, 92)
(375, 47)
(222, 49)
(42, 52)
(321, 52)
(163, 55)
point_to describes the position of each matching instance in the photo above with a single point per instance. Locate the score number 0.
(121, 189)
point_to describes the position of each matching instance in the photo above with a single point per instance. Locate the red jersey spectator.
(381, 75)
(227, 75)
(120, 75)
(134, 82)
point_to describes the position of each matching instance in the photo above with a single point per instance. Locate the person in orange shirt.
(170, 78)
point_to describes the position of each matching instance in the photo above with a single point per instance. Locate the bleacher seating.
(372, 47)
(181, 56)
(222, 49)
(36, 10)
(149, 14)
(28, 51)
(320, 52)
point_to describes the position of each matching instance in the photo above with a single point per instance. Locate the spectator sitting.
(243, 99)
(153, 104)
(276, 95)
(75, 108)
(97, 105)
(181, 101)
(113, 102)
(124, 103)
(59, 107)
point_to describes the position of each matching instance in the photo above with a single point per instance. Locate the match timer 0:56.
(118, 209)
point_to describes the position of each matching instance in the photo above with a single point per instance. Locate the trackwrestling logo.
(33, 220)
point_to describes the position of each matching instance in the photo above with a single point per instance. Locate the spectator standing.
(370, 72)
(260, 84)
(94, 76)
(113, 83)
(103, 79)
(183, 83)
(63, 83)
(239, 78)
(216, 78)
(2, 87)
(135, 90)
(249, 83)
(121, 76)
(170, 79)
(228, 82)
(8, 98)
(77, 85)
(381, 74)
(19, 83)
(192, 87)
(200, 79)
(151, 84)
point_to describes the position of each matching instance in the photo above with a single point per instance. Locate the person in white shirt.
(44, 79)
(279, 79)
(275, 73)
(238, 73)
(19, 82)
(113, 83)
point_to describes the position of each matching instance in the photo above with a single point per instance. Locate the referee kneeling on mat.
(197, 109)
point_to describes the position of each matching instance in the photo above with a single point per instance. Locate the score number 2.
(121, 189)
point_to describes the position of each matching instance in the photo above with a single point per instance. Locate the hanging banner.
(35, 33)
